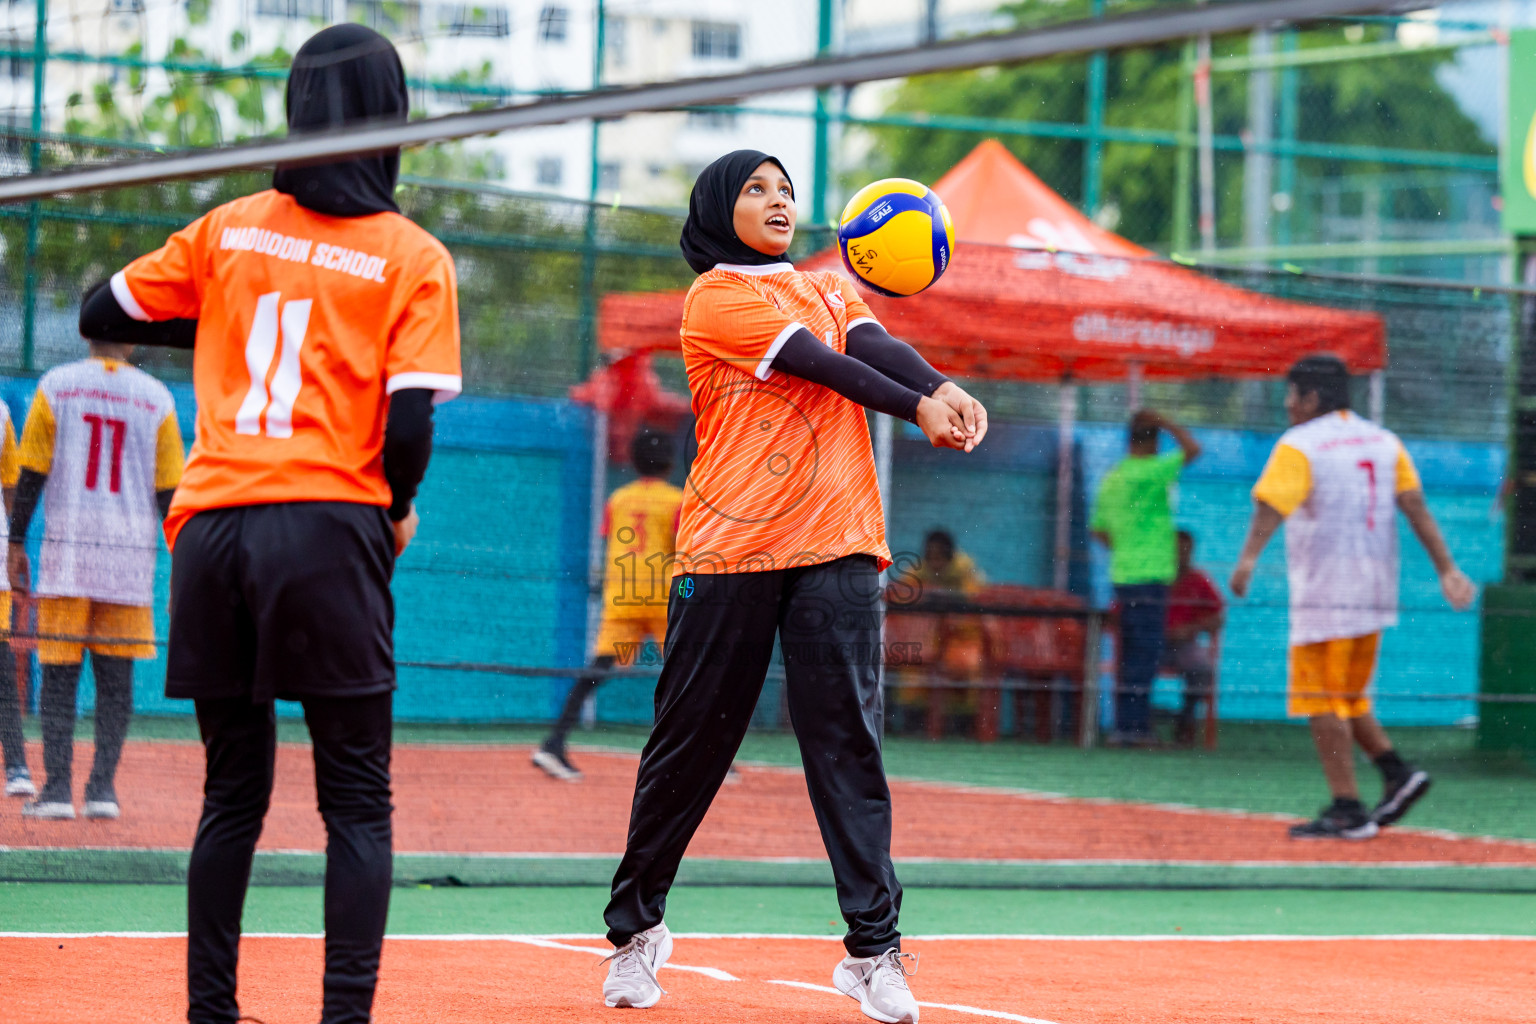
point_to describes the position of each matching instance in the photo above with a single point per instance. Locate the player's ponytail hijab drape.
(709, 233)
(345, 75)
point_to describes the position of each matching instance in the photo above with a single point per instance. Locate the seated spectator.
(945, 575)
(1195, 609)
(945, 571)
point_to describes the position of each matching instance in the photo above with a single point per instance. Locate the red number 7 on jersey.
(1369, 469)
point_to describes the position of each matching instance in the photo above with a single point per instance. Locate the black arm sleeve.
(871, 345)
(102, 319)
(28, 490)
(163, 501)
(806, 357)
(407, 447)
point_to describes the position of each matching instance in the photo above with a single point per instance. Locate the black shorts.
(288, 600)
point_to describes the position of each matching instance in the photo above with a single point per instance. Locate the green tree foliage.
(1394, 102)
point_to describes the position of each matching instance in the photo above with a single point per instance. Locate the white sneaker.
(18, 782)
(632, 970)
(556, 765)
(48, 810)
(106, 809)
(879, 983)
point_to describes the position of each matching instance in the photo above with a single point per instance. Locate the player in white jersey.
(18, 780)
(103, 449)
(1337, 481)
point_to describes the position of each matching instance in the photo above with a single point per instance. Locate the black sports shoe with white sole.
(556, 765)
(1401, 795)
(1342, 819)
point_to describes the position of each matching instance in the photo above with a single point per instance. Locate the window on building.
(392, 18)
(550, 171)
(469, 20)
(609, 176)
(15, 68)
(712, 120)
(319, 10)
(716, 40)
(616, 40)
(553, 22)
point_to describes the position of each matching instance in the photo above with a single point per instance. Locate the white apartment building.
(522, 46)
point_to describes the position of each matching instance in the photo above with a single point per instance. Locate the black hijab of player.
(345, 75)
(709, 233)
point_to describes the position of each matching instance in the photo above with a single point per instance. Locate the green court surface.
(56, 907)
(1265, 768)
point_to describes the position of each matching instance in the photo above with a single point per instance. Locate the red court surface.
(63, 980)
(466, 799)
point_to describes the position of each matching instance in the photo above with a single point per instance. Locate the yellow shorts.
(615, 633)
(111, 630)
(1331, 677)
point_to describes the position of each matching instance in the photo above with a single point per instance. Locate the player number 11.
(273, 317)
(119, 429)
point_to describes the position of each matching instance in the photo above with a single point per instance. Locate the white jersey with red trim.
(101, 527)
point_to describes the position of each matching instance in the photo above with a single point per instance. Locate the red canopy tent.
(1038, 292)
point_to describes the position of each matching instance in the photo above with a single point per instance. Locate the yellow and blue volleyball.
(896, 236)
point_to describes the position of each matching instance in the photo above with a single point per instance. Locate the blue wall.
(1001, 510)
(498, 573)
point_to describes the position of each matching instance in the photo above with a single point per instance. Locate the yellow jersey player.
(103, 450)
(1337, 481)
(640, 524)
(18, 779)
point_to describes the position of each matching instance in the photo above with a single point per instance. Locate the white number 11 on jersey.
(260, 347)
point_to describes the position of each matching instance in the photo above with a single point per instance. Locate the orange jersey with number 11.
(306, 324)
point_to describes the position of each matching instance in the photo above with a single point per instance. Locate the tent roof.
(1036, 291)
(994, 199)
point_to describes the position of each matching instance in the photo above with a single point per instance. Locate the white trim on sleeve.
(765, 368)
(865, 320)
(443, 385)
(124, 296)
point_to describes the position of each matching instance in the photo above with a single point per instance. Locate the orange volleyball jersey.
(306, 324)
(640, 524)
(785, 474)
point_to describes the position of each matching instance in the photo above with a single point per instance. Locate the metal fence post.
(588, 330)
(1093, 152)
(34, 209)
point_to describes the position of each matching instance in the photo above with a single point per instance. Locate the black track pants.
(11, 740)
(720, 633)
(351, 737)
(56, 707)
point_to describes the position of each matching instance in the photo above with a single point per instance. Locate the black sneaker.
(1399, 796)
(1339, 820)
(556, 765)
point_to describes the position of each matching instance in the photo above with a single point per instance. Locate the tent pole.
(1066, 421)
(1133, 386)
(1378, 396)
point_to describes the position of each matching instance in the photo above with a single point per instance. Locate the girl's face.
(765, 211)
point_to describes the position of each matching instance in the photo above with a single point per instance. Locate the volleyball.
(896, 236)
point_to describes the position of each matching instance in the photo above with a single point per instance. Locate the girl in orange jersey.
(781, 535)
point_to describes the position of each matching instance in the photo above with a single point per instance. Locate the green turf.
(812, 911)
(1269, 768)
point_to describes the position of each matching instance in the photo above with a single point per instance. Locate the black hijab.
(709, 233)
(345, 75)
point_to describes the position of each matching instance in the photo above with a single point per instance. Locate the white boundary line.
(1017, 862)
(554, 941)
(974, 1010)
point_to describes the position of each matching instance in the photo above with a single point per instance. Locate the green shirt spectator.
(1134, 512)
